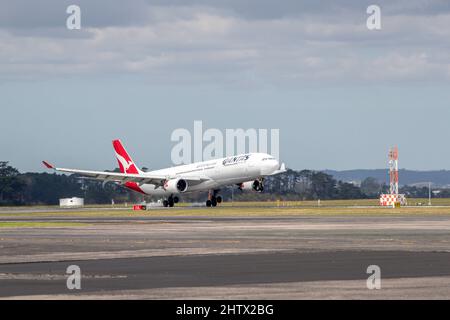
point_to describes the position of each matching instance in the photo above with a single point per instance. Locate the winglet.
(48, 165)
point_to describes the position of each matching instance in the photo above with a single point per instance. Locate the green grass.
(261, 208)
(336, 203)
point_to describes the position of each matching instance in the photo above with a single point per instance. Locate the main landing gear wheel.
(213, 199)
(170, 201)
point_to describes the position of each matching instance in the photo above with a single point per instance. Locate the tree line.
(47, 188)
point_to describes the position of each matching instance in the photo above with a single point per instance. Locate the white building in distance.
(71, 202)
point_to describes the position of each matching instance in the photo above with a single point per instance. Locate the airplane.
(247, 171)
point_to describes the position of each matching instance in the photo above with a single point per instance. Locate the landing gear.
(170, 201)
(213, 198)
(258, 185)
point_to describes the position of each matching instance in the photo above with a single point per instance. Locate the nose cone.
(275, 165)
(269, 167)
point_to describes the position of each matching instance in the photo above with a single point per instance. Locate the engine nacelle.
(255, 185)
(176, 185)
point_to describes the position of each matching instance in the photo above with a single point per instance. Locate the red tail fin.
(126, 164)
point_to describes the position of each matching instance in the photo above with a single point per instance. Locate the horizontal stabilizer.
(48, 165)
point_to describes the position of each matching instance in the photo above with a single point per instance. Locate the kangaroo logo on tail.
(126, 164)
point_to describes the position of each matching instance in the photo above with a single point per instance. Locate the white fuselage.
(218, 173)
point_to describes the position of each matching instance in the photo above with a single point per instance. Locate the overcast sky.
(339, 93)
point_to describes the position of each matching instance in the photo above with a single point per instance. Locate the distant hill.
(438, 178)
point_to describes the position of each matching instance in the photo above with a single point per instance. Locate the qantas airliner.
(247, 171)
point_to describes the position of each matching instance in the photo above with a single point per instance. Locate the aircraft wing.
(124, 177)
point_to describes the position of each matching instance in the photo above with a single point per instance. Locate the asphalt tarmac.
(290, 257)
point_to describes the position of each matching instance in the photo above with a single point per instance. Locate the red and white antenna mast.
(393, 198)
(393, 170)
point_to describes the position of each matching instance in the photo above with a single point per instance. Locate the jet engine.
(256, 185)
(176, 185)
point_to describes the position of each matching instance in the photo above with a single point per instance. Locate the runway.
(164, 257)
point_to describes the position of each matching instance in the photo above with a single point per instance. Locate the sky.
(339, 93)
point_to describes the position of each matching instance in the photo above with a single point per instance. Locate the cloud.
(227, 42)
